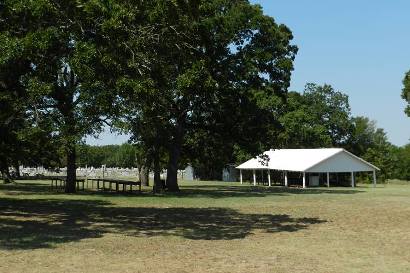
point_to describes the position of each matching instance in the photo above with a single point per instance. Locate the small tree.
(406, 92)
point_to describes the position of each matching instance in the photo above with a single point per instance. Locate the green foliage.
(320, 117)
(25, 131)
(200, 82)
(121, 156)
(406, 92)
(401, 156)
(371, 143)
(363, 136)
(302, 129)
(54, 46)
(217, 74)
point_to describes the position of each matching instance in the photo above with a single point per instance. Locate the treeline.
(121, 156)
(204, 82)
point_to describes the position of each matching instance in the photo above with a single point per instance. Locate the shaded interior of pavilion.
(266, 177)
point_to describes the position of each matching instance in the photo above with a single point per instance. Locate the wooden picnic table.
(117, 184)
(59, 182)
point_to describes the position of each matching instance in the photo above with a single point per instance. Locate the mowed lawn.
(208, 227)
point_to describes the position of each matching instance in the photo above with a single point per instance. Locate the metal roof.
(305, 160)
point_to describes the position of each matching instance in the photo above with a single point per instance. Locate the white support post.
(304, 180)
(374, 179)
(270, 184)
(328, 180)
(352, 179)
(240, 176)
(254, 177)
(286, 178)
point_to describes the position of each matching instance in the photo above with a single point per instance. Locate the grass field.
(208, 227)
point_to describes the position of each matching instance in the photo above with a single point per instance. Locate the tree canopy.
(54, 45)
(319, 117)
(199, 82)
(218, 71)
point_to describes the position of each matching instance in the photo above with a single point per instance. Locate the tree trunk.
(158, 187)
(17, 169)
(65, 96)
(172, 171)
(144, 175)
(71, 169)
(174, 155)
(6, 177)
(173, 163)
(5, 172)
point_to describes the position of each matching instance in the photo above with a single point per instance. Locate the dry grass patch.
(208, 227)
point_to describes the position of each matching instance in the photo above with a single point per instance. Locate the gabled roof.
(315, 160)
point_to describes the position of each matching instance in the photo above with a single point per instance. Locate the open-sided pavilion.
(308, 162)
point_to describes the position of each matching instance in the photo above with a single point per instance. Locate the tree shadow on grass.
(222, 191)
(22, 188)
(205, 191)
(45, 223)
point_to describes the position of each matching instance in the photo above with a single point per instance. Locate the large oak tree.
(217, 72)
(62, 65)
